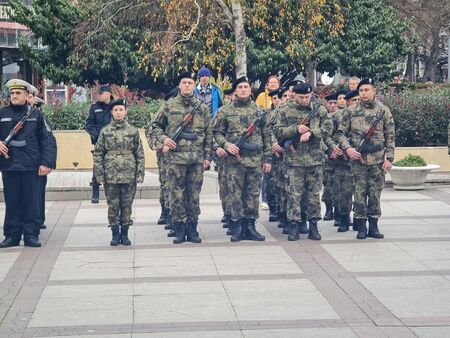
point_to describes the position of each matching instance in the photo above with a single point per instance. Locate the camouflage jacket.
(356, 121)
(119, 155)
(329, 134)
(169, 117)
(286, 125)
(232, 122)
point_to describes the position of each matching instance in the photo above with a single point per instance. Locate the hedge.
(72, 116)
(420, 116)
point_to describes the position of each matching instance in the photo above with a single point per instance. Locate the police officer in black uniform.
(99, 116)
(21, 162)
(37, 102)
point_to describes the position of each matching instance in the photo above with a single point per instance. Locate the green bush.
(72, 116)
(411, 161)
(420, 116)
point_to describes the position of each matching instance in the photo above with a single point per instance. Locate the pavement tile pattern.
(78, 286)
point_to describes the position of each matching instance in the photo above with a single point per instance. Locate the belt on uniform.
(18, 144)
(120, 152)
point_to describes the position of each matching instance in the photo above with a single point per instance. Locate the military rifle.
(179, 132)
(241, 142)
(17, 128)
(368, 134)
(292, 141)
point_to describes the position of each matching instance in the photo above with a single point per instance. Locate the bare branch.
(189, 35)
(226, 10)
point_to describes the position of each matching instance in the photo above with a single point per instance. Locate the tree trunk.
(241, 39)
(410, 66)
(310, 73)
(431, 61)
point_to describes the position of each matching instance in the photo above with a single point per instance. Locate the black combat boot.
(115, 235)
(273, 213)
(361, 226)
(239, 228)
(95, 193)
(180, 232)
(328, 212)
(345, 222)
(224, 218)
(162, 219)
(9, 242)
(251, 234)
(373, 229)
(192, 234)
(42, 226)
(353, 224)
(31, 241)
(226, 224)
(314, 231)
(171, 226)
(168, 225)
(303, 226)
(294, 234)
(231, 227)
(337, 218)
(124, 240)
(282, 220)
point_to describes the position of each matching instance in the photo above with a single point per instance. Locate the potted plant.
(410, 172)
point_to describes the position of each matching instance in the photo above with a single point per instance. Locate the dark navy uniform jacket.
(99, 116)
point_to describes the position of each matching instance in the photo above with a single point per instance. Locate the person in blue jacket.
(207, 92)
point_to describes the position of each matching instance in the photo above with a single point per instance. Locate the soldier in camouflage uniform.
(340, 165)
(187, 158)
(119, 164)
(369, 166)
(272, 177)
(304, 162)
(244, 167)
(162, 163)
(328, 170)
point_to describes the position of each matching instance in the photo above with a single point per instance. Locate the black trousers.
(42, 186)
(21, 193)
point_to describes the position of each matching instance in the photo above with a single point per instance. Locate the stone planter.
(410, 178)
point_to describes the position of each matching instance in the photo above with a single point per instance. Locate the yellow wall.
(432, 155)
(75, 146)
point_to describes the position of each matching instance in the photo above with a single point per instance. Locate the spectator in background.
(264, 100)
(353, 82)
(207, 92)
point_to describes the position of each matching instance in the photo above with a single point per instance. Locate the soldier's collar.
(241, 102)
(368, 104)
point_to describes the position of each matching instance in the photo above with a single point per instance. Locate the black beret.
(238, 81)
(341, 92)
(351, 94)
(281, 91)
(367, 80)
(292, 83)
(104, 88)
(119, 102)
(187, 75)
(302, 88)
(228, 91)
(331, 97)
(273, 92)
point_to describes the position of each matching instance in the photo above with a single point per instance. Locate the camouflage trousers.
(342, 189)
(279, 174)
(223, 184)
(368, 182)
(185, 183)
(120, 199)
(303, 187)
(244, 185)
(163, 189)
(328, 177)
(272, 186)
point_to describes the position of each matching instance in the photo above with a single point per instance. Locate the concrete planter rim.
(427, 167)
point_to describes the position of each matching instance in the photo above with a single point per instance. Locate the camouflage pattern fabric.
(328, 178)
(244, 185)
(223, 183)
(342, 189)
(368, 182)
(168, 118)
(119, 155)
(185, 183)
(120, 199)
(303, 189)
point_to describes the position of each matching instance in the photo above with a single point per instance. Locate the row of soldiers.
(297, 144)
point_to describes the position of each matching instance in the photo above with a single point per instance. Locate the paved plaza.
(77, 285)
